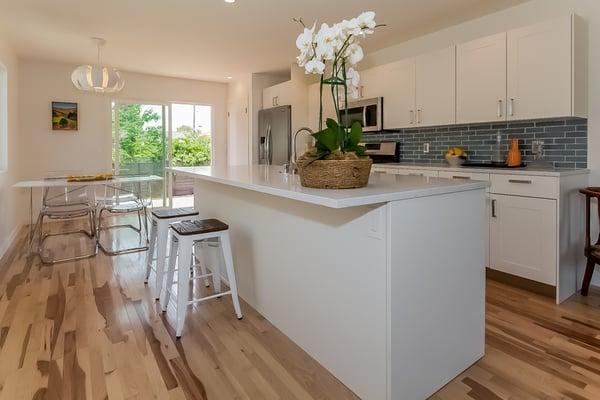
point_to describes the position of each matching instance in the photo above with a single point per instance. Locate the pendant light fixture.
(97, 78)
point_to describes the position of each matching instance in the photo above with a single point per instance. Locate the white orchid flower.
(366, 22)
(315, 66)
(354, 54)
(328, 41)
(304, 43)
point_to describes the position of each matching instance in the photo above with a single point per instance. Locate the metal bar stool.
(591, 251)
(159, 232)
(124, 201)
(65, 203)
(184, 235)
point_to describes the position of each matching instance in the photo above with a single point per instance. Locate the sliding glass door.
(140, 143)
(146, 140)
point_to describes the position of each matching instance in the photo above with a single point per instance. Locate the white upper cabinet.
(399, 94)
(278, 95)
(481, 80)
(545, 70)
(313, 105)
(436, 87)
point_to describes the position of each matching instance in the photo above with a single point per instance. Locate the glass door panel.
(140, 143)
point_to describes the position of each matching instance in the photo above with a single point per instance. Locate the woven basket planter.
(335, 174)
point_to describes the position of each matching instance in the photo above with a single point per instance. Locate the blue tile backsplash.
(565, 140)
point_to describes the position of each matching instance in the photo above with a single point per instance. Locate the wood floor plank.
(91, 330)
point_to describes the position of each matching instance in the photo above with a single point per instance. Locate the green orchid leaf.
(355, 135)
(359, 150)
(327, 139)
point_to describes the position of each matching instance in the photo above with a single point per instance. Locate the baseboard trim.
(4, 247)
(522, 283)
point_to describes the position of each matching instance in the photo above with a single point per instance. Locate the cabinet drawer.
(407, 171)
(476, 176)
(524, 185)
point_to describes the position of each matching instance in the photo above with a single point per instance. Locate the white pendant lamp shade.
(96, 77)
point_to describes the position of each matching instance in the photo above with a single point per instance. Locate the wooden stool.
(184, 235)
(159, 233)
(592, 251)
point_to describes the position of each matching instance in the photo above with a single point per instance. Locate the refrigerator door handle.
(269, 150)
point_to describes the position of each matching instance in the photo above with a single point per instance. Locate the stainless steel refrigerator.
(274, 135)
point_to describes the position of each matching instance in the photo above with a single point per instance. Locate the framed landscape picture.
(64, 116)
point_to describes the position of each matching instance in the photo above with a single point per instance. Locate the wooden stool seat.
(592, 251)
(186, 228)
(168, 213)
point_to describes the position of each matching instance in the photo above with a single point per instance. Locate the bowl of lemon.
(456, 157)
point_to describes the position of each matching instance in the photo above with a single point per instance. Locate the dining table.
(56, 182)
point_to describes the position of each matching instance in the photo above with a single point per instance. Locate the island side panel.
(318, 274)
(437, 290)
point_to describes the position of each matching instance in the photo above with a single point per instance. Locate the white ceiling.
(209, 39)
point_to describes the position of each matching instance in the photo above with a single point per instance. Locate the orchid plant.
(336, 45)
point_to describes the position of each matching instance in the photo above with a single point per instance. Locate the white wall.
(89, 149)
(521, 15)
(238, 124)
(9, 198)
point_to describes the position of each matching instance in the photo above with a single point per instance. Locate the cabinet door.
(523, 237)
(481, 80)
(278, 95)
(435, 87)
(539, 70)
(313, 106)
(373, 82)
(399, 94)
(269, 97)
(431, 173)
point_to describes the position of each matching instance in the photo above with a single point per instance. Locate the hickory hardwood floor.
(91, 330)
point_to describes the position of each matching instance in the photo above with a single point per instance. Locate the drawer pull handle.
(460, 177)
(523, 181)
(494, 208)
(415, 174)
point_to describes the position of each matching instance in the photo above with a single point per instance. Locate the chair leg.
(161, 255)
(587, 277)
(201, 248)
(183, 284)
(226, 246)
(165, 294)
(216, 261)
(151, 250)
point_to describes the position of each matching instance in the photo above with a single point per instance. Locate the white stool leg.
(165, 294)
(161, 255)
(151, 248)
(216, 261)
(200, 248)
(183, 283)
(226, 246)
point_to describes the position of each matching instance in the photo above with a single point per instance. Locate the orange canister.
(514, 154)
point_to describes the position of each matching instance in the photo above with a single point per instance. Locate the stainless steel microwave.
(368, 112)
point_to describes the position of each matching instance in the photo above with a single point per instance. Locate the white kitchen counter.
(384, 286)
(382, 188)
(531, 171)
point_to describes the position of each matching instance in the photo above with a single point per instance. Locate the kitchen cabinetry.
(523, 232)
(408, 172)
(435, 88)
(481, 80)
(535, 224)
(313, 106)
(278, 95)
(545, 68)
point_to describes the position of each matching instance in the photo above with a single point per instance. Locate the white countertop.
(382, 187)
(529, 170)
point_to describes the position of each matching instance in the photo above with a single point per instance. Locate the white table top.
(62, 182)
(382, 187)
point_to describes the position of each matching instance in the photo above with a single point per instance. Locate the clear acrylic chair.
(67, 203)
(123, 199)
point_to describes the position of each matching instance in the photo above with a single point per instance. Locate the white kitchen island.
(384, 286)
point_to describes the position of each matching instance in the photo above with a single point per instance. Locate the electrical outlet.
(425, 147)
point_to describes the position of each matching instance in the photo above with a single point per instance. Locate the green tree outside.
(141, 140)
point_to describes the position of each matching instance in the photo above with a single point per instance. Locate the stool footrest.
(212, 296)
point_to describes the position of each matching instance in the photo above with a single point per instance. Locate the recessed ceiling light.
(229, 1)
(229, 77)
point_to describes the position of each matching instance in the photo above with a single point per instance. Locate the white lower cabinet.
(523, 233)
(414, 172)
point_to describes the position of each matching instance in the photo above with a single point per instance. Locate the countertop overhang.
(382, 187)
(528, 170)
